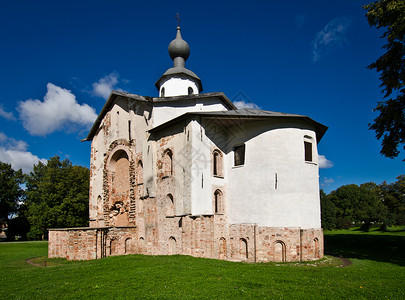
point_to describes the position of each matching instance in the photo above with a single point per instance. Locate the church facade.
(189, 173)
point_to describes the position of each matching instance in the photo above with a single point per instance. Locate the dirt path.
(345, 262)
(35, 264)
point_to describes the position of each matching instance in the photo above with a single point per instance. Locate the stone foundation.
(199, 236)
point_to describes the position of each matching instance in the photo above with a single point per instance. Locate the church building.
(189, 173)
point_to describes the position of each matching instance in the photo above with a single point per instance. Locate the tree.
(11, 193)
(394, 199)
(358, 204)
(57, 196)
(328, 212)
(390, 124)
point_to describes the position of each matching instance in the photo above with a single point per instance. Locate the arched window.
(218, 202)
(244, 251)
(162, 92)
(170, 209)
(279, 251)
(190, 90)
(139, 172)
(217, 164)
(167, 163)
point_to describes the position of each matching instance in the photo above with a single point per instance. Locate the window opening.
(308, 151)
(218, 202)
(239, 152)
(168, 163)
(190, 90)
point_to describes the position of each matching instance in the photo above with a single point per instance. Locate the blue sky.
(60, 59)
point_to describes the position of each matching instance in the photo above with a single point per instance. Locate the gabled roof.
(247, 114)
(107, 106)
(115, 94)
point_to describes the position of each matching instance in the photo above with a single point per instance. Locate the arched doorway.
(172, 246)
(222, 248)
(316, 248)
(279, 251)
(244, 251)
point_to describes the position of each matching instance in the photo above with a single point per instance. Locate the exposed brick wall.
(200, 236)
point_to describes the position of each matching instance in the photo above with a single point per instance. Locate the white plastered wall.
(177, 86)
(250, 191)
(165, 111)
(254, 196)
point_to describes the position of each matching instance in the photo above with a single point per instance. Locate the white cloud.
(243, 104)
(324, 163)
(332, 36)
(105, 85)
(325, 182)
(15, 152)
(5, 114)
(59, 110)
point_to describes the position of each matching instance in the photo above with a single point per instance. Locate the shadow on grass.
(385, 248)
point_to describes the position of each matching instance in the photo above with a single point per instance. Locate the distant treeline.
(55, 194)
(367, 205)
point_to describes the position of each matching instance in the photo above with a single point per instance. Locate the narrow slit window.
(239, 152)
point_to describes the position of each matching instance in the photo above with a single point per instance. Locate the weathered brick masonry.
(197, 237)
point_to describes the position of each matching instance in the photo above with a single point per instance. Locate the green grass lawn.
(377, 272)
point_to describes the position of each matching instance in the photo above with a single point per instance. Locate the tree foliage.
(366, 205)
(11, 192)
(390, 124)
(328, 212)
(57, 196)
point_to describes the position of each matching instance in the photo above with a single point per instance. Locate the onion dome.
(179, 50)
